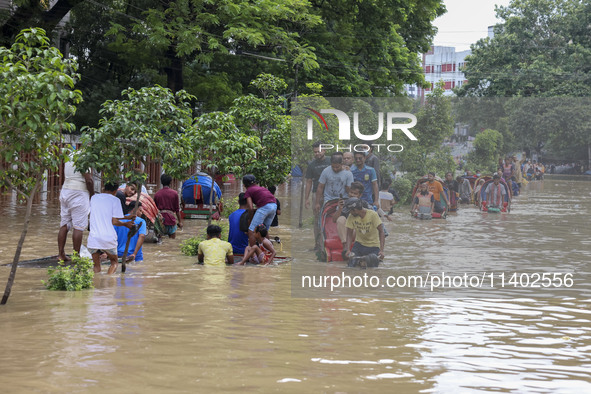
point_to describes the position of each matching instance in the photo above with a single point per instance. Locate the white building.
(443, 64)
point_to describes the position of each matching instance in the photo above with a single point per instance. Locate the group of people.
(117, 228)
(352, 178)
(113, 217)
(248, 236)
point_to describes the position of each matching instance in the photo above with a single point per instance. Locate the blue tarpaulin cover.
(196, 189)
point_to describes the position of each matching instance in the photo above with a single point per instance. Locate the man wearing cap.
(368, 229)
(265, 202)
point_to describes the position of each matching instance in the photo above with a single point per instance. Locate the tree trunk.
(21, 241)
(174, 71)
(300, 220)
(589, 156)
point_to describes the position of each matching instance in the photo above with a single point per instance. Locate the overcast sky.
(465, 22)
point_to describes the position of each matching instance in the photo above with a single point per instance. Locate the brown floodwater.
(168, 325)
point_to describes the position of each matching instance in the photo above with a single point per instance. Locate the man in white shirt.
(75, 197)
(105, 212)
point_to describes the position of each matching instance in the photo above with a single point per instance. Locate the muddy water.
(168, 325)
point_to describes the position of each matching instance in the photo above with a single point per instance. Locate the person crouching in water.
(368, 229)
(342, 212)
(214, 251)
(262, 252)
(423, 203)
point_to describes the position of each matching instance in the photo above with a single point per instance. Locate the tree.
(265, 118)
(150, 123)
(223, 148)
(365, 47)
(37, 100)
(177, 32)
(370, 48)
(487, 150)
(542, 48)
(434, 124)
(569, 126)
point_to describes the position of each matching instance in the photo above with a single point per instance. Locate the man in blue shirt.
(367, 176)
(137, 240)
(237, 238)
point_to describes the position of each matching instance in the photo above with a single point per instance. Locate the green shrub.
(230, 205)
(189, 246)
(403, 187)
(74, 277)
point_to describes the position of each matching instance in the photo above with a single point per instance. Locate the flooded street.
(170, 325)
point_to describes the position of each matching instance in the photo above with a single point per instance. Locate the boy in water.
(262, 252)
(105, 212)
(214, 251)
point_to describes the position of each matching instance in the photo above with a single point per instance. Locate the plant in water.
(74, 277)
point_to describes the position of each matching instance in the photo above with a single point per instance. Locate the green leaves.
(487, 149)
(75, 277)
(150, 123)
(541, 49)
(37, 100)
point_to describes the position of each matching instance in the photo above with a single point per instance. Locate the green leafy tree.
(434, 124)
(26, 13)
(487, 150)
(568, 121)
(541, 48)
(370, 48)
(150, 123)
(37, 100)
(265, 118)
(222, 147)
(176, 32)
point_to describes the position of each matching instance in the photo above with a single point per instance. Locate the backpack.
(244, 223)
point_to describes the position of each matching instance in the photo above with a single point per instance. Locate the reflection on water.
(170, 325)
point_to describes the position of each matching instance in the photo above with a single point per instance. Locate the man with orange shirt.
(436, 188)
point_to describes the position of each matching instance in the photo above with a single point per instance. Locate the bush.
(189, 246)
(230, 205)
(403, 187)
(74, 277)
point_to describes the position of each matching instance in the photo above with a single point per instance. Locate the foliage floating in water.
(74, 277)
